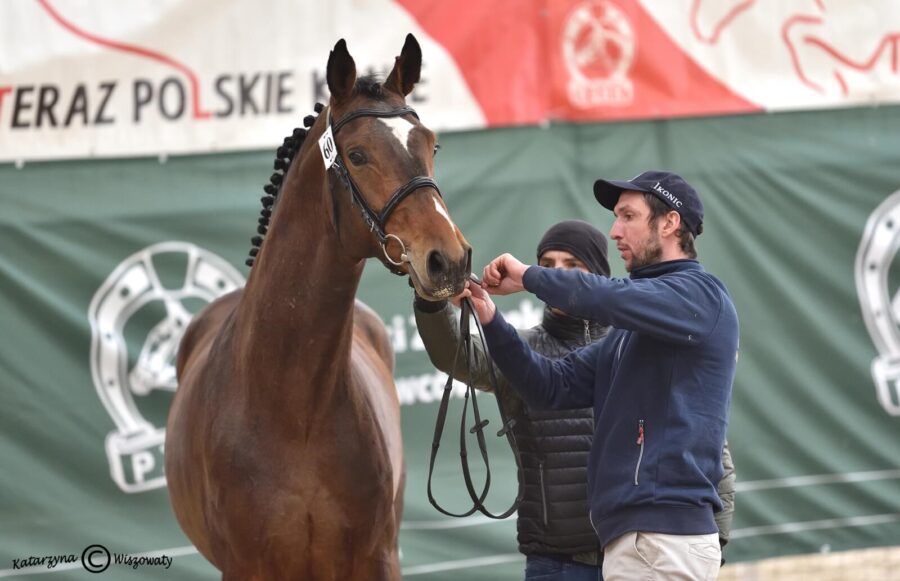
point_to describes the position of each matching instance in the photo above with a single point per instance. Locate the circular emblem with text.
(164, 305)
(598, 46)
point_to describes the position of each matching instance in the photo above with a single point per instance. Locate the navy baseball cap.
(665, 185)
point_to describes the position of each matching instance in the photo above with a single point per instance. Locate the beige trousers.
(639, 556)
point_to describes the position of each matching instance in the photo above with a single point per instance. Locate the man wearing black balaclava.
(554, 532)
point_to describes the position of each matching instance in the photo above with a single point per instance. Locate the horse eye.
(437, 146)
(357, 158)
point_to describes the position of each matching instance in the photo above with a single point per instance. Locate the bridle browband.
(376, 221)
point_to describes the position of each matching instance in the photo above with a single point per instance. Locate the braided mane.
(283, 158)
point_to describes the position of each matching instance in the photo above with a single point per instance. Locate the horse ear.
(341, 72)
(407, 68)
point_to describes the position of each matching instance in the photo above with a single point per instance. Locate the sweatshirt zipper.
(619, 349)
(587, 332)
(543, 493)
(640, 442)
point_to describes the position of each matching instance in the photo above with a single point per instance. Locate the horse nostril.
(468, 268)
(437, 264)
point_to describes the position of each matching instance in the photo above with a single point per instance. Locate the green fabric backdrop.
(787, 198)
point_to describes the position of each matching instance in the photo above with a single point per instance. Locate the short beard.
(652, 252)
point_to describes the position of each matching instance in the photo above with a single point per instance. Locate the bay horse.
(284, 455)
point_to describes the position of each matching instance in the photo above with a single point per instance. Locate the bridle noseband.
(374, 220)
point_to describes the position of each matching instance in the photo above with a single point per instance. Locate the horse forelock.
(370, 86)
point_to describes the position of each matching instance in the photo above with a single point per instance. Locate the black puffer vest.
(553, 516)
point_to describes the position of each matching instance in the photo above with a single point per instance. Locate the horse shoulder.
(203, 329)
(371, 338)
(369, 325)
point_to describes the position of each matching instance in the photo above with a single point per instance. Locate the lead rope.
(466, 313)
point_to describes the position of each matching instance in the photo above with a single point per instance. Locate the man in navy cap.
(660, 383)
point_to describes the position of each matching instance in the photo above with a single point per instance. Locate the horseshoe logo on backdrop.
(881, 310)
(135, 447)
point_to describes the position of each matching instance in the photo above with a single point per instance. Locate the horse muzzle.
(437, 277)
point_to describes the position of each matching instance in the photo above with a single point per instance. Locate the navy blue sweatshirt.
(660, 385)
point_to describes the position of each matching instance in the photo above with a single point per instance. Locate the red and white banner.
(81, 78)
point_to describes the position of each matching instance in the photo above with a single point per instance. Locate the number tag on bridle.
(329, 149)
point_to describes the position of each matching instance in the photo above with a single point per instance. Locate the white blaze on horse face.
(440, 210)
(400, 127)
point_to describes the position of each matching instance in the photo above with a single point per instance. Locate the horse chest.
(337, 481)
(321, 455)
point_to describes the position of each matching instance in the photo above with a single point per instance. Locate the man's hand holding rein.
(481, 302)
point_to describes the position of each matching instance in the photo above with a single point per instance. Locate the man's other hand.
(503, 276)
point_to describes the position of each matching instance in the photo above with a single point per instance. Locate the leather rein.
(467, 312)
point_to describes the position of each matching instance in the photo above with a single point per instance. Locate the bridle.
(375, 221)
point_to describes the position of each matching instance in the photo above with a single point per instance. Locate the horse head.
(385, 161)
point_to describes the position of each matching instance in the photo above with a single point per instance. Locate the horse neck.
(295, 320)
